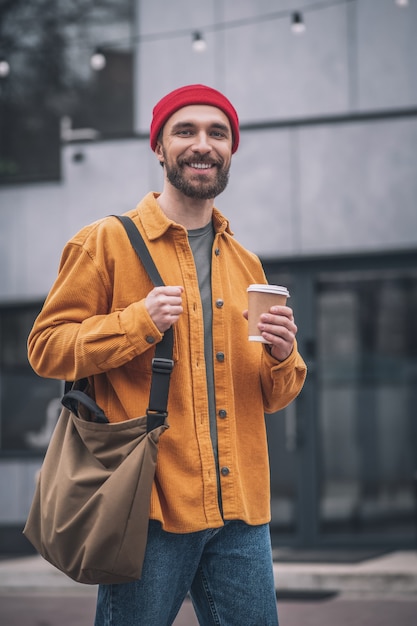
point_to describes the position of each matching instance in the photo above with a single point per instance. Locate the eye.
(218, 132)
(183, 131)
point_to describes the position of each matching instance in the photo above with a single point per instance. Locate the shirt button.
(225, 471)
(222, 413)
(150, 339)
(220, 357)
(217, 252)
(219, 303)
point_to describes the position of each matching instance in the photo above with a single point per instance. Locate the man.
(209, 514)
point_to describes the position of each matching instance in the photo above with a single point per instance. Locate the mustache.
(200, 159)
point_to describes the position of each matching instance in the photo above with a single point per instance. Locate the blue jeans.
(228, 572)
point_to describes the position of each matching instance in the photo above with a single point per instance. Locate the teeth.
(201, 166)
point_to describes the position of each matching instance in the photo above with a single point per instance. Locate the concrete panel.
(386, 53)
(258, 199)
(111, 179)
(37, 220)
(30, 225)
(358, 186)
(272, 73)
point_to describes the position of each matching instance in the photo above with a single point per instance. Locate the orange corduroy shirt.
(94, 324)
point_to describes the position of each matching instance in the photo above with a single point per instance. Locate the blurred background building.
(323, 189)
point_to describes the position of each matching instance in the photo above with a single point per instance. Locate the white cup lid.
(277, 289)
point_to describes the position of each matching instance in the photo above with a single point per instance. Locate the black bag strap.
(74, 397)
(162, 363)
(141, 249)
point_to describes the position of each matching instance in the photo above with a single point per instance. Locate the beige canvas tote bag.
(90, 511)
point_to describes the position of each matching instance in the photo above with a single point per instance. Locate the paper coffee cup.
(260, 300)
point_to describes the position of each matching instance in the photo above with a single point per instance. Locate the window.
(29, 405)
(48, 46)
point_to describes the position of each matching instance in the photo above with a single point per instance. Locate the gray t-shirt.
(201, 242)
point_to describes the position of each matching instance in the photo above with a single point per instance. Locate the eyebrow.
(182, 125)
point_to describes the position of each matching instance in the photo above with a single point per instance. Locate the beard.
(194, 186)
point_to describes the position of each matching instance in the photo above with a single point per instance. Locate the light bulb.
(4, 68)
(199, 43)
(297, 24)
(98, 61)
(402, 3)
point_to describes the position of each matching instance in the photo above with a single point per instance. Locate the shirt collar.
(156, 223)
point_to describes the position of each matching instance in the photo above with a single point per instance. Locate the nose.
(202, 143)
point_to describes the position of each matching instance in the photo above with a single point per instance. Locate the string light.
(297, 23)
(199, 43)
(232, 24)
(98, 60)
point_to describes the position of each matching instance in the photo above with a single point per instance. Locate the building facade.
(323, 188)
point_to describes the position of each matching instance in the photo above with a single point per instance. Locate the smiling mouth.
(201, 166)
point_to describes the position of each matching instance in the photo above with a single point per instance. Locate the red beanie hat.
(192, 94)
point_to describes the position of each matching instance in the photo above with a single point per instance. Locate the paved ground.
(38, 610)
(380, 591)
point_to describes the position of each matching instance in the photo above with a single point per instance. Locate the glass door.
(366, 384)
(344, 454)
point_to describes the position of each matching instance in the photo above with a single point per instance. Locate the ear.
(159, 152)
